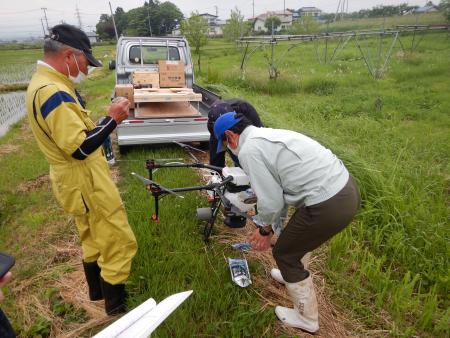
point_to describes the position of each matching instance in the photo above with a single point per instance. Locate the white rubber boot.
(305, 260)
(276, 273)
(305, 314)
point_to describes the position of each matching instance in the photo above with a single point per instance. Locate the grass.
(387, 22)
(172, 258)
(393, 134)
(389, 270)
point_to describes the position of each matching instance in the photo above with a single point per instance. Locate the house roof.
(207, 14)
(309, 9)
(425, 9)
(274, 13)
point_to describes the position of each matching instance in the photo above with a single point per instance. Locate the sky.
(22, 18)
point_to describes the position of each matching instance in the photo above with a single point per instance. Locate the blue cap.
(223, 123)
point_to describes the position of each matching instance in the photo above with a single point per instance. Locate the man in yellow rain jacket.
(80, 176)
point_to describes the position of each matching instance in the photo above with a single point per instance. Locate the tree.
(196, 31)
(304, 25)
(236, 26)
(121, 20)
(272, 23)
(169, 17)
(137, 21)
(153, 18)
(105, 27)
(444, 6)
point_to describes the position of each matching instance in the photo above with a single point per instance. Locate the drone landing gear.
(209, 215)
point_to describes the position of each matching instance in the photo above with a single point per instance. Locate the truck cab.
(144, 54)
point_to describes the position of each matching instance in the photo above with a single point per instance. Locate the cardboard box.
(146, 79)
(171, 74)
(125, 90)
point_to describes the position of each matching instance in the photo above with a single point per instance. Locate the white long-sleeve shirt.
(288, 168)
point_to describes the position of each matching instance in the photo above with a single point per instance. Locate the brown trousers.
(311, 226)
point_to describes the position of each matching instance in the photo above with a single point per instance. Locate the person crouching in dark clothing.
(219, 108)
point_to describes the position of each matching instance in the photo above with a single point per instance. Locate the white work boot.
(304, 315)
(276, 274)
(305, 260)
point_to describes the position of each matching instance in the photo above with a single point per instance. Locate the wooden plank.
(166, 110)
(125, 90)
(166, 95)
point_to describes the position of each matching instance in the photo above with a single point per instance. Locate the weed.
(320, 86)
(41, 328)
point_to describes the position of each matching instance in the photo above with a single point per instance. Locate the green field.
(388, 272)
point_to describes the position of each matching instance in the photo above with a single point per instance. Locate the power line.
(19, 12)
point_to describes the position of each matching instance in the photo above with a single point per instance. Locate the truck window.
(152, 54)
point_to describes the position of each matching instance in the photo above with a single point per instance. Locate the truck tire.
(123, 150)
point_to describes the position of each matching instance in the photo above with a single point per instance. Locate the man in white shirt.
(290, 169)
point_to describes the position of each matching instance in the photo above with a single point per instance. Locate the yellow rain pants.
(83, 188)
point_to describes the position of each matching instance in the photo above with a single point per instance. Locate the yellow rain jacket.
(84, 188)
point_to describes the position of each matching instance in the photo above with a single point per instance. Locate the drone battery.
(239, 176)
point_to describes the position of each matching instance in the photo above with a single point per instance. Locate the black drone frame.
(208, 214)
(159, 191)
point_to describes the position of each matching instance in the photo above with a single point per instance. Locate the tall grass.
(172, 258)
(386, 22)
(391, 267)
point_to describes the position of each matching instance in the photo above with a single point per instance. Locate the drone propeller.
(146, 181)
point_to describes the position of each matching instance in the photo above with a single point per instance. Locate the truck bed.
(169, 125)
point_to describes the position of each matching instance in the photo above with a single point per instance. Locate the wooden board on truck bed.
(165, 95)
(165, 110)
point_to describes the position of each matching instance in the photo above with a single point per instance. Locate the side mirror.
(112, 64)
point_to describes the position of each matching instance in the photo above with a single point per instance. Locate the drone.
(228, 190)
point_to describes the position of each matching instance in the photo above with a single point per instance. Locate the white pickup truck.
(142, 54)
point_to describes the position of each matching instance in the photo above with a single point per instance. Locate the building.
(284, 16)
(214, 25)
(425, 9)
(309, 11)
(93, 36)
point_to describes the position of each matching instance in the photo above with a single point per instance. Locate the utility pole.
(253, 9)
(79, 18)
(217, 10)
(45, 15)
(114, 21)
(148, 16)
(284, 6)
(43, 29)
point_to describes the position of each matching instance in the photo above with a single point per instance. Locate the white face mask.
(80, 77)
(233, 151)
